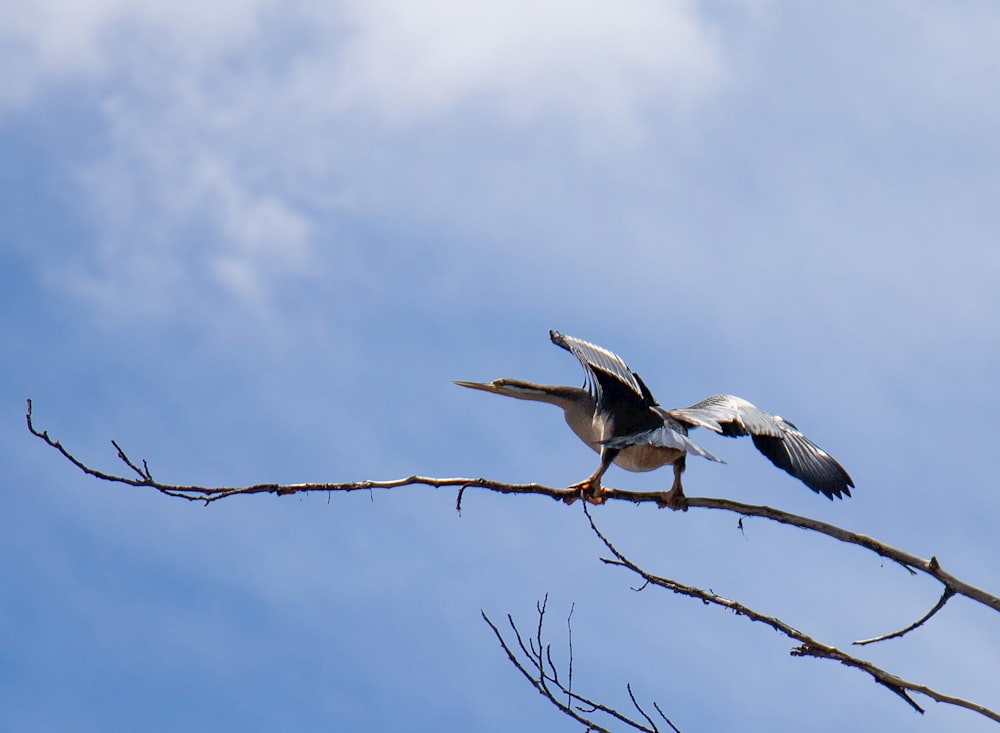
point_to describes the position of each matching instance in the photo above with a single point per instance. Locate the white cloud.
(178, 213)
(402, 60)
(54, 41)
(577, 57)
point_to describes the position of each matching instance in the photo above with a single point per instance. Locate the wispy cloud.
(233, 131)
(597, 62)
(54, 42)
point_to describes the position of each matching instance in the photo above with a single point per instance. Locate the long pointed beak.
(484, 386)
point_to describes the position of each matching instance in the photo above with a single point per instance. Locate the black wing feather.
(778, 439)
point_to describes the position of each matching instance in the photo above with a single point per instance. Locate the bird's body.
(618, 417)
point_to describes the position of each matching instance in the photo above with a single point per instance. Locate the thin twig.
(948, 593)
(536, 683)
(569, 641)
(547, 683)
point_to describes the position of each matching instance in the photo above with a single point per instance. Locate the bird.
(615, 414)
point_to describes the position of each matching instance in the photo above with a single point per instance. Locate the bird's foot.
(589, 490)
(673, 499)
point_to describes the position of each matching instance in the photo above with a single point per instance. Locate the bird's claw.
(673, 499)
(589, 490)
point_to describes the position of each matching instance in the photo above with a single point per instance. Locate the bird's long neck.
(577, 404)
(553, 394)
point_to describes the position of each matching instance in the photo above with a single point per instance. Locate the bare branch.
(208, 494)
(576, 706)
(808, 646)
(948, 593)
(547, 683)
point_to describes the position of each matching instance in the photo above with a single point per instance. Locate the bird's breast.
(641, 458)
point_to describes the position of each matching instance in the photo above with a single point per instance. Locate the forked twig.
(536, 665)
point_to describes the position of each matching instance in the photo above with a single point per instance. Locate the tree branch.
(545, 678)
(808, 646)
(908, 560)
(209, 494)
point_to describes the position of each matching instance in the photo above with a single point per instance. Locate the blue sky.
(254, 241)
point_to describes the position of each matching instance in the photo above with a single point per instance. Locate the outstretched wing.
(778, 439)
(618, 392)
(600, 364)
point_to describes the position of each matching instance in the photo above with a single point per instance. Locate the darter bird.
(618, 417)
